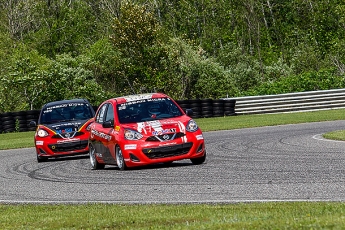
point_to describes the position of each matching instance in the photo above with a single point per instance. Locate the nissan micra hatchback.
(144, 129)
(63, 128)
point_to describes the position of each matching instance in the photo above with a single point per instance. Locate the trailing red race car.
(63, 128)
(144, 129)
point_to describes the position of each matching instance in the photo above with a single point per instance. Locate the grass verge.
(271, 215)
(16, 140)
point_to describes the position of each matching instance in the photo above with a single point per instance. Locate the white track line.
(320, 138)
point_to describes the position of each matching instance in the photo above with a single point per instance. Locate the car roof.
(77, 100)
(136, 97)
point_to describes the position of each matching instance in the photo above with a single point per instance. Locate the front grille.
(165, 137)
(69, 146)
(168, 151)
(67, 135)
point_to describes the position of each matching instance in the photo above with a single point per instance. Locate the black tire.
(218, 111)
(206, 101)
(218, 103)
(9, 130)
(32, 129)
(33, 112)
(184, 106)
(230, 103)
(7, 119)
(22, 125)
(199, 160)
(19, 113)
(230, 114)
(20, 118)
(28, 122)
(7, 114)
(206, 108)
(31, 117)
(218, 115)
(120, 161)
(196, 109)
(10, 126)
(8, 122)
(93, 160)
(194, 105)
(229, 110)
(207, 115)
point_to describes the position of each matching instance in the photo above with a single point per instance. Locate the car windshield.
(65, 112)
(147, 110)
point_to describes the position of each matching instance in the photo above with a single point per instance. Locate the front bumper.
(59, 148)
(144, 153)
(167, 151)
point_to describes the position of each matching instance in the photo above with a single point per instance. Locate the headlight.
(132, 135)
(42, 133)
(192, 126)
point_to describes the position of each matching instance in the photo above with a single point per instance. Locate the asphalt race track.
(281, 163)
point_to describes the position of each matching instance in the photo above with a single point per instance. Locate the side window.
(110, 114)
(101, 113)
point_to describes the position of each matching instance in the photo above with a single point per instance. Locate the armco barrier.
(19, 121)
(291, 102)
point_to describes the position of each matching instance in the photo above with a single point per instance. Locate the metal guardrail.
(290, 102)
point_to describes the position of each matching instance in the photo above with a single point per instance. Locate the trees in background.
(57, 49)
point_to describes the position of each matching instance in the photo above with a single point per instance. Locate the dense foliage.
(96, 49)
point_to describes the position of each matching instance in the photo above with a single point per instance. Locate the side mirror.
(108, 124)
(189, 112)
(32, 124)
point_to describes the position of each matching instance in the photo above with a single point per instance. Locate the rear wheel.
(120, 161)
(94, 163)
(199, 160)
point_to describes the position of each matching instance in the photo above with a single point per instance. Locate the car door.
(108, 140)
(96, 136)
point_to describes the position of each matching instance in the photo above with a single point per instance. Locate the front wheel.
(199, 160)
(120, 161)
(93, 159)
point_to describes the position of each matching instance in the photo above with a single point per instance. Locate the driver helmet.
(79, 112)
(154, 109)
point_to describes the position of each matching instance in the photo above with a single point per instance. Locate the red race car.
(63, 128)
(144, 129)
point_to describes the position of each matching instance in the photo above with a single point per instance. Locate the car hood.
(68, 126)
(160, 127)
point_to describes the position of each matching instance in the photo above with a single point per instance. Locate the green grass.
(17, 140)
(335, 135)
(270, 215)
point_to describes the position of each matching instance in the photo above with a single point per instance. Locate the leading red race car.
(144, 129)
(63, 128)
